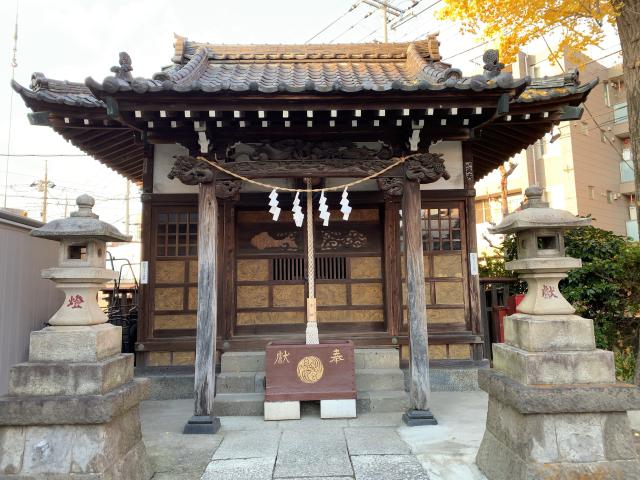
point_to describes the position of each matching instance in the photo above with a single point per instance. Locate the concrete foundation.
(282, 410)
(73, 419)
(338, 408)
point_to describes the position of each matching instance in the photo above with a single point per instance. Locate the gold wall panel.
(329, 294)
(366, 294)
(269, 318)
(437, 352)
(252, 296)
(445, 315)
(171, 322)
(193, 298)
(346, 316)
(449, 293)
(404, 352)
(288, 295)
(193, 271)
(169, 271)
(447, 265)
(253, 270)
(183, 358)
(366, 267)
(169, 298)
(158, 359)
(459, 351)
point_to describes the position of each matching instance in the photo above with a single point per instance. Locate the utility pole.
(66, 205)
(385, 21)
(44, 186)
(386, 9)
(126, 208)
(14, 64)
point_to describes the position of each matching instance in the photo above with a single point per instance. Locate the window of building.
(592, 192)
(177, 234)
(609, 196)
(607, 94)
(441, 229)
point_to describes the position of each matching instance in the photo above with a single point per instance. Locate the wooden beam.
(419, 385)
(205, 365)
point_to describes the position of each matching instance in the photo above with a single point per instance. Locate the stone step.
(382, 401)
(379, 379)
(242, 362)
(240, 382)
(239, 404)
(373, 358)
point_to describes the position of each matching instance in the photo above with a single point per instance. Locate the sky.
(74, 39)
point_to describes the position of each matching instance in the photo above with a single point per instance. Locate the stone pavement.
(372, 446)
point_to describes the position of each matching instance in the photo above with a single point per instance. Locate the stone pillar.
(72, 409)
(555, 409)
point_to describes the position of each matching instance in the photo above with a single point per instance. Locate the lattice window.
(177, 234)
(331, 268)
(441, 229)
(287, 268)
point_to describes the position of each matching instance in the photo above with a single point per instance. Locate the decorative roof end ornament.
(492, 65)
(123, 72)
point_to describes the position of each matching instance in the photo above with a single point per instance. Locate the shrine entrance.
(271, 273)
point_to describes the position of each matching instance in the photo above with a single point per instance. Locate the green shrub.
(625, 365)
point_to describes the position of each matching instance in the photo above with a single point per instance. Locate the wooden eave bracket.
(571, 113)
(40, 119)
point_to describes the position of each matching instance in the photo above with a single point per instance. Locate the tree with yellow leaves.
(576, 24)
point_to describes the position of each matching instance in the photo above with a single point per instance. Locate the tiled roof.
(203, 67)
(58, 91)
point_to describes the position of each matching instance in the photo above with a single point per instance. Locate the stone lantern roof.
(81, 224)
(536, 213)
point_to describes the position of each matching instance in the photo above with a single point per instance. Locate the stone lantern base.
(557, 432)
(555, 410)
(72, 410)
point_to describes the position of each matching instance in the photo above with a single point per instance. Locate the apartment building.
(585, 166)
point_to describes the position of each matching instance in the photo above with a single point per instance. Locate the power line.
(352, 8)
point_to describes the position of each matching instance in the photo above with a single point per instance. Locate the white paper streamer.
(273, 203)
(344, 205)
(298, 216)
(323, 209)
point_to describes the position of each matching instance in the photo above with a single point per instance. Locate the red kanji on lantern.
(75, 301)
(549, 291)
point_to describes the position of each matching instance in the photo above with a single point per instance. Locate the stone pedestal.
(72, 410)
(555, 410)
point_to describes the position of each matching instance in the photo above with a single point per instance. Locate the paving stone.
(240, 469)
(388, 467)
(311, 452)
(248, 444)
(375, 441)
(377, 419)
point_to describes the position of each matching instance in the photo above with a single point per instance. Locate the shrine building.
(209, 137)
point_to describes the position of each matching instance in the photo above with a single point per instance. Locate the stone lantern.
(555, 409)
(72, 409)
(81, 268)
(541, 259)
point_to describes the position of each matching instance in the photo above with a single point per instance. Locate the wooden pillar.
(475, 304)
(419, 388)
(203, 420)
